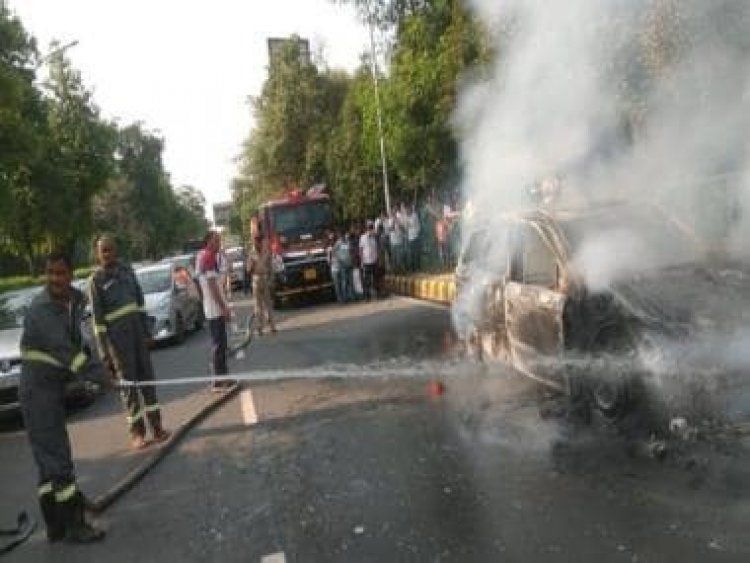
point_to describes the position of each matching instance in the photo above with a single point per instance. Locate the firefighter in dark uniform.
(52, 353)
(122, 335)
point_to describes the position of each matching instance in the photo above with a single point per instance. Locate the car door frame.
(534, 313)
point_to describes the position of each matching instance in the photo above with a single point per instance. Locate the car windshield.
(11, 314)
(185, 261)
(291, 220)
(155, 281)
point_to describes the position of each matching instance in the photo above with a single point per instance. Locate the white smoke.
(579, 90)
(640, 100)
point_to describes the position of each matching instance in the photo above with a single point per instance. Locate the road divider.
(437, 288)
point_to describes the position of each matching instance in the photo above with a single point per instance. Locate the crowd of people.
(409, 239)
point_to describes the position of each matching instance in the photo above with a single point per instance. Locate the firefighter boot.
(77, 530)
(52, 517)
(159, 432)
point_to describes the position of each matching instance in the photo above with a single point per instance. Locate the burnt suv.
(592, 302)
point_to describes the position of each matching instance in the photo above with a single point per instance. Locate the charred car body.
(590, 301)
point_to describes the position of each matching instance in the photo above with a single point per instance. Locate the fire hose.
(105, 500)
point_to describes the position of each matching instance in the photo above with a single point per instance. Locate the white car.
(13, 305)
(172, 301)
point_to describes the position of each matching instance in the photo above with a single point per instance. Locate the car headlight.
(163, 308)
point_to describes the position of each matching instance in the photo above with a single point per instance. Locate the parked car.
(555, 293)
(80, 391)
(172, 301)
(237, 265)
(183, 260)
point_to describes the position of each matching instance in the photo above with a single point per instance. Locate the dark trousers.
(415, 255)
(368, 280)
(42, 397)
(218, 330)
(132, 361)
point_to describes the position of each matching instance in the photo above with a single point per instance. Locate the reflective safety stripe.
(136, 417)
(78, 362)
(66, 493)
(45, 489)
(153, 408)
(100, 329)
(31, 355)
(123, 311)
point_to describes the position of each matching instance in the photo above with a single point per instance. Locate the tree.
(435, 46)
(22, 117)
(294, 115)
(79, 157)
(353, 158)
(386, 14)
(139, 207)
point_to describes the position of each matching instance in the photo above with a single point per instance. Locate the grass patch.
(13, 283)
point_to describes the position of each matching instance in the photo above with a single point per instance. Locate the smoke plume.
(626, 100)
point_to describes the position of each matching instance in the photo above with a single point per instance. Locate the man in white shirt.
(215, 306)
(368, 247)
(396, 240)
(413, 229)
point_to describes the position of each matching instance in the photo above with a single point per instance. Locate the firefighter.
(122, 335)
(259, 267)
(51, 354)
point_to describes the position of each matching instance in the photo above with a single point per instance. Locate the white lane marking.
(249, 414)
(274, 558)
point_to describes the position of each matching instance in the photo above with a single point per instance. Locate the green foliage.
(139, 207)
(13, 283)
(294, 114)
(66, 173)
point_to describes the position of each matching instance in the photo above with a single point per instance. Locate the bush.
(12, 283)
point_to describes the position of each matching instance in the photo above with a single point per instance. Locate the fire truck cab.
(297, 228)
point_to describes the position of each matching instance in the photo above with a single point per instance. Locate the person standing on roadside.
(396, 240)
(368, 245)
(52, 352)
(122, 335)
(259, 266)
(413, 228)
(215, 307)
(335, 265)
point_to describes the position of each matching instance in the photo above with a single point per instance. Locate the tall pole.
(374, 66)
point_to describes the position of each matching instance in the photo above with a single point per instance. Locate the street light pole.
(374, 67)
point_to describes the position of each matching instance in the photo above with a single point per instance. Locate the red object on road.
(435, 388)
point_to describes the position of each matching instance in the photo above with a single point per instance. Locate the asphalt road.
(376, 468)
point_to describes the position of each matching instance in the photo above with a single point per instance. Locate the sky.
(185, 68)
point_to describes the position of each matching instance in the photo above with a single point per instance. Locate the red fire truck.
(298, 226)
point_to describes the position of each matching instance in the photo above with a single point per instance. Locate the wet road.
(375, 469)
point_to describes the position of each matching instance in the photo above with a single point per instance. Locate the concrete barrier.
(438, 288)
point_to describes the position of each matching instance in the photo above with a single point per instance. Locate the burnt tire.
(611, 397)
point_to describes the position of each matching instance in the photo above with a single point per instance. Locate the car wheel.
(610, 397)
